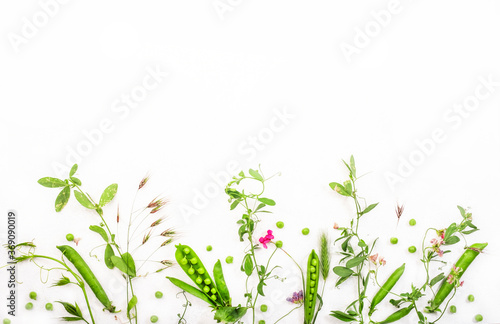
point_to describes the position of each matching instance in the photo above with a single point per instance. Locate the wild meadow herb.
(357, 256)
(115, 255)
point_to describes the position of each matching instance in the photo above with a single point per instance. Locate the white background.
(230, 74)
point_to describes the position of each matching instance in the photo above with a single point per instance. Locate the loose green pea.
(394, 240)
(229, 260)
(70, 237)
(158, 294)
(470, 298)
(412, 249)
(280, 224)
(305, 231)
(6, 321)
(479, 318)
(49, 306)
(262, 322)
(29, 306)
(209, 248)
(453, 309)
(279, 244)
(263, 308)
(413, 222)
(33, 295)
(153, 319)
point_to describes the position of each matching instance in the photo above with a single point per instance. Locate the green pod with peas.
(194, 268)
(463, 263)
(386, 288)
(87, 275)
(312, 283)
(396, 316)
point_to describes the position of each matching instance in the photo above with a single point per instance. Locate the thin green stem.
(282, 317)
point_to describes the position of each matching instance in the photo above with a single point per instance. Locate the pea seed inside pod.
(312, 269)
(186, 250)
(314, 276)
(191, 271)
(199, 280)
(213, 297)
(184, 261)
(207, 281)
(206, 289)
(213, 291)
(194, 260)
(201, 271)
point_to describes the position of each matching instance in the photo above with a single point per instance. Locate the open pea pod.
(194, 268)
(311, 287)
(192, 290)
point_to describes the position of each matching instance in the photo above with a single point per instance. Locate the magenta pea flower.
(266, 239)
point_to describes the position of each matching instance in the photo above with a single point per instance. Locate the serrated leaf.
(99, 230)
(73, 170)
(108, 194)
(51, 182)
(267, 201)
(342, 271)
(62, 198)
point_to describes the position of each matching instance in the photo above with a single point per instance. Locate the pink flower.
(381, 261)
(266, 239)
(373, 258)
(335, 226)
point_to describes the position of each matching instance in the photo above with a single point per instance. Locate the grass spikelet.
(324, 255)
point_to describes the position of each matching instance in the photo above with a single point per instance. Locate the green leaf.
(76, 181)
(342, 271)
(235, 204)
(125, 264)
(73, 170)
(51, 182)
(62, 198)
(192, 290)
(108, 194)
(353, 166)
(452, 240)
(354, 262)
(131, 304)
(450, 231)
(462, 211)
(255, 174)
(99, 230)
(343, 316)
(437, 279)
(220, 282)
(260, 287)
(71, 319)
(369, 208)
(341, 280)
(337, 187)
(108, 253)
(247, 265)
(229, 314)
(62, 282)
(470, 231)
(83, 200)
(73, 310)
(267, 201)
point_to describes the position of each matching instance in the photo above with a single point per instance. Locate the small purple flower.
(297, 297)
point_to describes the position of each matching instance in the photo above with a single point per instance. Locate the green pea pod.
(463, 263)
(312, 283)
(191, 290)
(87, 275)
(194, 268)
(221, 283)
(396, 316)
(386, 288)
